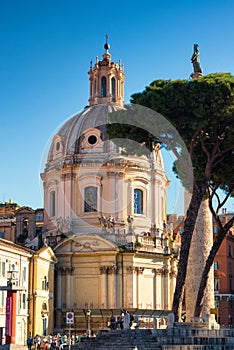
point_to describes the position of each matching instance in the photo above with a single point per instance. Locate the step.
(149, 339)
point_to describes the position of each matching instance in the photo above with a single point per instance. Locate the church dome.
(68, 139)
(89, 183)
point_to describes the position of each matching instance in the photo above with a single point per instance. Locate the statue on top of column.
(195, 59)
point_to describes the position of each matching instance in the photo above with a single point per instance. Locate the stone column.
(135, 288)
(128, 287)
(68, 288)
(119, 289)
(110, 205)
(72, 286)
(122, 200)
(173, 275)
(166, 289)
(59, 298)
(201, 244)
(157, 201)
(129, 198)
(103, 294)
(63, 287)
(154, 289)
(153, 200)
(158, 281)
(111, 287)
(72, 203)
(139, 285)
(59, 289)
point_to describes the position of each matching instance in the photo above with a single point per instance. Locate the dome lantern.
(106, 80)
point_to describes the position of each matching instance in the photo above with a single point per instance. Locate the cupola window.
(138, 201)
(92, 139)
(90, 199)
(113, 89)
(103, 87)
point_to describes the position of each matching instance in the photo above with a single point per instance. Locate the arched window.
(52, 203)
(25, 228)
(103, 87)
(90, 199)
(138, 201)
(113, 89)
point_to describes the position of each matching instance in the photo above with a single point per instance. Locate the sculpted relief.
(85, 243)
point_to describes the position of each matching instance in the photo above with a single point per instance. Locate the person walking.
(29, 342)
(37, 342)
(126, 322)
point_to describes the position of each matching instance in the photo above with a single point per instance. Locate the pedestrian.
(29, 342)
(37, 342)
(112, 322)
(120, 320)
(126, 322)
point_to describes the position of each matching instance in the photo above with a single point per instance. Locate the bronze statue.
(196, 60)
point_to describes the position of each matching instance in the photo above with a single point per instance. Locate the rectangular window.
(24, 274)
(39, 217)
(103, 87)
(216, 265)
(2, 298)
(216, 284)
(113, 89)
(90, 199)
(23, 301)
(3, 269)
(138, 201)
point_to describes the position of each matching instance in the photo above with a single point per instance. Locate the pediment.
(25, 210)
(47, 253)
(85, 243)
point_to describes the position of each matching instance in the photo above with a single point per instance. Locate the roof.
(12, 245)
(91, 117)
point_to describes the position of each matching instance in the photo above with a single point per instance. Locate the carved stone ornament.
(63, 225)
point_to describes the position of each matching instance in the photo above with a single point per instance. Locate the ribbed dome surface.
(91, 117)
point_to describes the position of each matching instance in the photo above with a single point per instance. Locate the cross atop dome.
(106, 46)
(106, 80)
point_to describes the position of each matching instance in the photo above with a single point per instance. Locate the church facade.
(105, 211)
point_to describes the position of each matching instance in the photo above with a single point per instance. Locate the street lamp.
(88, 313)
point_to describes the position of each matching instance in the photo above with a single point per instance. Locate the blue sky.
(46, 47)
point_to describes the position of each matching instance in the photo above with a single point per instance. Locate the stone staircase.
(160, 339)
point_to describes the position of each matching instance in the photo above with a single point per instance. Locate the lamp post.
(88, 313)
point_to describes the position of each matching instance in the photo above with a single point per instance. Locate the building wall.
(224, 283)
(41, 305)
(92, 273)
(17, 258)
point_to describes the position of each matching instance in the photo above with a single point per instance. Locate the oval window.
(92, 139)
